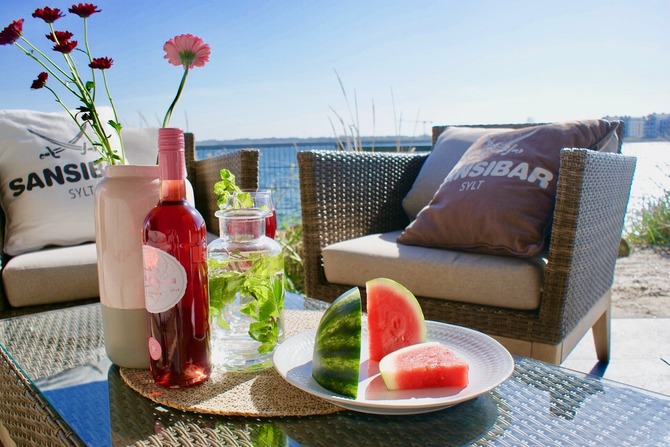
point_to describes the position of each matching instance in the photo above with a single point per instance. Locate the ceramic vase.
(122, 200)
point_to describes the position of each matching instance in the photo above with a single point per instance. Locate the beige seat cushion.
(51, 276)
(499, 281)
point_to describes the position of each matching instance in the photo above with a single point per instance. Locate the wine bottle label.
(164, 279)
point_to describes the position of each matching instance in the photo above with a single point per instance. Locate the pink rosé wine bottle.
(175, 275)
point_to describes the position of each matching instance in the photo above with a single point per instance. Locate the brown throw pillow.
(499, 198)
(448, 149)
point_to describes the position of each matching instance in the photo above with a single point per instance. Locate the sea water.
(652, 171)
(279, 172)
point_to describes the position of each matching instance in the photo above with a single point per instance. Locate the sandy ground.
(642, 285)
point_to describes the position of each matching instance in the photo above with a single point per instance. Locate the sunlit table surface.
(62, 352)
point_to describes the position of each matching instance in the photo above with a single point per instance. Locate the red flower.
(11, 33)
(49, 15)
(40, 81)
(101, 63)
(84, 10)
(61, 36)
(65, 47)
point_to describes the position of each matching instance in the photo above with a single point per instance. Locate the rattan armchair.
(202, 175)
(345, 195)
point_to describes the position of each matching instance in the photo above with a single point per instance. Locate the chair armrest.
(345, 195)
(591, 201)
(3, 259)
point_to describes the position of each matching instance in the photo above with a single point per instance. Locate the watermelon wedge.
(336, 358)
(424, 365)
(395, 318)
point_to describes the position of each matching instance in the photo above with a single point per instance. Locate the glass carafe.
(246, 290)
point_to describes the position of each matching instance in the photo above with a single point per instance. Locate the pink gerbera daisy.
(187, 50)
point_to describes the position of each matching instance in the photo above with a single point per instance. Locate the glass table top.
(63, 354)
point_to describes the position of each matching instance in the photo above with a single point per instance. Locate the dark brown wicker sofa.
(348, 195)
(81, 264)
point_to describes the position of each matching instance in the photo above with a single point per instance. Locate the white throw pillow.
(447, 151)
(141, 145)
(48, 174)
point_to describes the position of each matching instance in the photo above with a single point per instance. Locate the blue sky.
(415, 63)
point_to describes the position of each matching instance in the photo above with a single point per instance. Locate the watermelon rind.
(395, 318)
(337, 345)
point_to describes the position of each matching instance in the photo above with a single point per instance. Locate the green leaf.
(225, 187)
(262, 281)
(116, 126)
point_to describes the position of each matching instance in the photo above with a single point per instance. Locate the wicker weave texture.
(28, 417)
(590, 209)
(346, 195)
(539, 405)
(593, 190)
(45, 345)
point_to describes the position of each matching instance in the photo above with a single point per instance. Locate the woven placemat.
(260, 393)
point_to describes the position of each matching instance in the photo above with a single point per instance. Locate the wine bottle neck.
(172, 190)
(171, 160)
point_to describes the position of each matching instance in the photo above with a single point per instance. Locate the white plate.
(490, 365)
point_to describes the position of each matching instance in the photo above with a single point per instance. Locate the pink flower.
(49, 15)
(84, 10)
(40, 81)
(187, 50)
(11, 33)
(101, 63)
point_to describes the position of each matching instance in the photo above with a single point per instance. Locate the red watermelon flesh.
(424, 365)
(395, 319)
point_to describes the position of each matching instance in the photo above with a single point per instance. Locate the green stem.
(105, 148)
(88, 54)
(174, 102)
(49, 69)
(54, 73)
(117, 128)
(65, 84)
(81, 127)
(117, 124)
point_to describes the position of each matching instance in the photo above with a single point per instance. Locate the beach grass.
(651, 226)
(290, 239)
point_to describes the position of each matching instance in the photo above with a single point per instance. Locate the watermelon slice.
(424, 365)
(395, 319)
(336, 358)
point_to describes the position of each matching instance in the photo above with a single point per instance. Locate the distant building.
(650, 127)
(634, 128)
